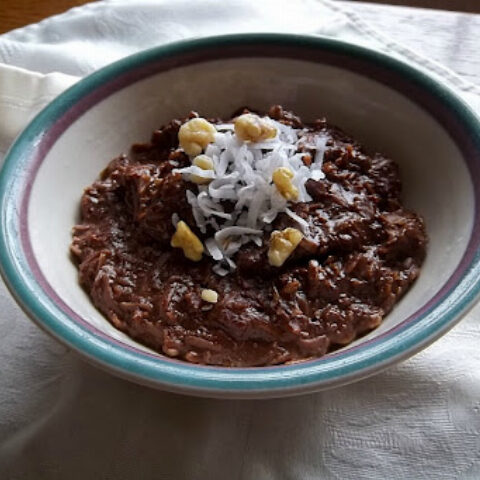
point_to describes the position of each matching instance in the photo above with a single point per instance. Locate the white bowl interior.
(436, 181)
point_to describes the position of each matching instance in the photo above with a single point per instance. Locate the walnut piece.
(282, 178)
(252, 128)
(282, 244)
(210, 296)
(205, 163)
(195, 135)
(185, 239)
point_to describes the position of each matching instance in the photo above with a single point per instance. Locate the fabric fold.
(23, 94)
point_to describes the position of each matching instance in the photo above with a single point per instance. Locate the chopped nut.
(185, 239)
(307, 159)
(205, 163)
(192, 357)
(195, 135)
(171, 352)
(210, 296)
(252, 128)
(282, 178)
(282, 244)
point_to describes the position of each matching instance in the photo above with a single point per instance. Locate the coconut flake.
(316, 168)
(194, 170)
(219, 270)
(213, 249)
(175, 219)
(224, 126)
(297, 218)
(225, 233)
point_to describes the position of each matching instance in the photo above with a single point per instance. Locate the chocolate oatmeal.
(254, 241)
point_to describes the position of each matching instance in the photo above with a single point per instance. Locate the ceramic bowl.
(388, 105)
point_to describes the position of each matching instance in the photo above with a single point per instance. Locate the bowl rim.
(183, 377)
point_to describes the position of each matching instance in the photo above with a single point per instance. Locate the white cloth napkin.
(62, 419)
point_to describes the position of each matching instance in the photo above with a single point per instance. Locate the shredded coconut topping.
(242, 179)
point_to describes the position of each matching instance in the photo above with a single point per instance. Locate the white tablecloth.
(62, 419)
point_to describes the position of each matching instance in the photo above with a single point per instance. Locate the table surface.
(17, 13)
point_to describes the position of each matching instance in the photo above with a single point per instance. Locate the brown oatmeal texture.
(360, 253)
